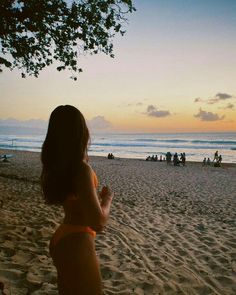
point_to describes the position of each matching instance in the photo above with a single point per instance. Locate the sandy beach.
(172, 230)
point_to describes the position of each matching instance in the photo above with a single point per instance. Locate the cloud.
(218, 97)
(212, 100)
(133, 104)
(23, 127)
(151, 108)
(229, 106)
(198, 99)
(152, 111)
(32, 123)
(99, 122)
(223, 96)
(208, 116)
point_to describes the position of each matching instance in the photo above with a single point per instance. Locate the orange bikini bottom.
(67, 229)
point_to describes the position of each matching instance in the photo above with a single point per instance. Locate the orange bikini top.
(95, 180)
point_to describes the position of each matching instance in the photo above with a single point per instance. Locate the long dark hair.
(64, 149)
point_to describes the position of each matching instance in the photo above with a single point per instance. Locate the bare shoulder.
(85, 172)
(85, 168)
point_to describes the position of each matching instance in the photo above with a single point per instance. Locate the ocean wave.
(145, 139)
(128, 142)
(121, 144)
(220, 142)
(161, 145)
(160, 140)
(25, 139)
(190, 141)
(6, 146)
(20, 147)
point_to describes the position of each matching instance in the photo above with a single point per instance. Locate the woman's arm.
(95, 213)
(106, 196)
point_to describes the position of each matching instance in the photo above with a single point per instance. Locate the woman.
(68, 180)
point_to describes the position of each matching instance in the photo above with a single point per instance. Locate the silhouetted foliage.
(35, 33)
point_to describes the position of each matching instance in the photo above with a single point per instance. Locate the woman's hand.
(106, 195)
(105, 198)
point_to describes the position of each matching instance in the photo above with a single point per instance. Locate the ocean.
(140, 145)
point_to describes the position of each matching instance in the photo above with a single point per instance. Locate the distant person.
(155, 158)
(168, 157)
(110, 156)
(148, 158)
(220, 159)
(204, 162)
(215, 156)
(218, 162)
(160, 158)
(68, 180)
(183, 158)
(208, 161)
(176, 160)
(5, 160)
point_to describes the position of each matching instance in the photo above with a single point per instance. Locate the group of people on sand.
(110, 156)
(177, 160)
(216, 161)
(206, 161)
(155, 158)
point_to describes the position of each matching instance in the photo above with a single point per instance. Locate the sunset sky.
(174, 71)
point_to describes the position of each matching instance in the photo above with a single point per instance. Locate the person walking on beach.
(218, 162)
(215, 156)
(204, 162)
(176, 159)
(183, 158)
(168, 157)
(68, 180)
(220, 159)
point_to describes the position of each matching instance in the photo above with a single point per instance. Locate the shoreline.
(223, 164)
